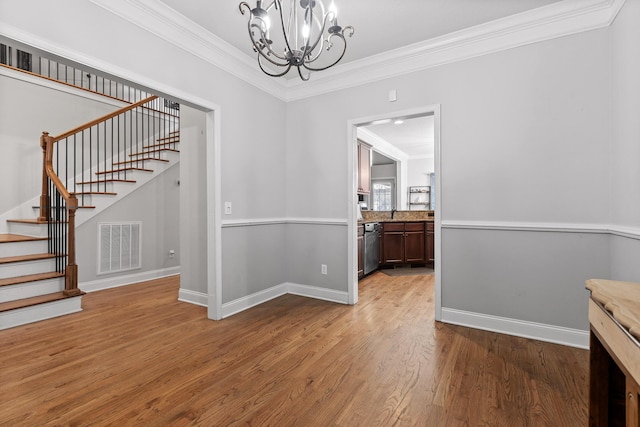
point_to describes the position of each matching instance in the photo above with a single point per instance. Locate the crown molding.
(381, 144)
(556, 20)
(545, 23)
(164, 22)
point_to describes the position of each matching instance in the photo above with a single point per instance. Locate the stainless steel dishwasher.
(371, 246)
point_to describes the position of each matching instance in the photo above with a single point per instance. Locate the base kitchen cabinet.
(403, 243)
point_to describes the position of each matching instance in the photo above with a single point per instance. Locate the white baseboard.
(318, 293)
(252, 300)
(38, 312)
(244, 303)
(520, 328)
(193, 297)
(127, 279)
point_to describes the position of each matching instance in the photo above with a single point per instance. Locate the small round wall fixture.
(300, 34)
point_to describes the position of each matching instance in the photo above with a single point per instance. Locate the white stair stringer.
(101, 202)
(123, 189)
(38, 312)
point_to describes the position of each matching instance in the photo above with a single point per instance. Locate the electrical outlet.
(227, 208)
(323, 269)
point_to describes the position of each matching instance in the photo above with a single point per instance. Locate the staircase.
(85, 170)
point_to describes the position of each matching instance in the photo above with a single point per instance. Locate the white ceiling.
(379, 26)
(414, 137)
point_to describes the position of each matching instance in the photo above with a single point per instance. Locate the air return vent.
(118, 246)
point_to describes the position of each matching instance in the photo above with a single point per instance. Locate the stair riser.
(31, 289)
(23, 248)
(16, 269)
(12, 318)
(164, 155)
(107, 187)
(25, 229)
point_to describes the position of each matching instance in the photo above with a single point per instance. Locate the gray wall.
(193, 201)
(519, 144)
(155, 205)
(624, 202)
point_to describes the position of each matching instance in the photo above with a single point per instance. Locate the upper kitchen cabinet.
(364, 168)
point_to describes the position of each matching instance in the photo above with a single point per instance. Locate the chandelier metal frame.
(303, 31)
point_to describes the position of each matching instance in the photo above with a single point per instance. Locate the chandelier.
(302, 44)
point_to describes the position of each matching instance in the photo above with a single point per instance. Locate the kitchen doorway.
(380, 142)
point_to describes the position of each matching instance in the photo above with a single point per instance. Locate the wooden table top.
(621, 299)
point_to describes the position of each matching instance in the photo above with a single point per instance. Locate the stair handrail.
(47, 143)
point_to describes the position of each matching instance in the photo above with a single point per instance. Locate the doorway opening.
(405, 174)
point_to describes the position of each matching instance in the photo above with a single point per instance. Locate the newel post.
(44, 197)
(71, 272)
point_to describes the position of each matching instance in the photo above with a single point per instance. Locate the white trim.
(352, 134)
(244, 303)
(169, 25)
(552, 21)
(520, 328)
(622, 231)
(248, 222)
(214, 214)
(315, 292)
(127, 279)
(38, 312)
(615, 230)
(317, 221)
(526, 226)
(193, 297)
(437, 161)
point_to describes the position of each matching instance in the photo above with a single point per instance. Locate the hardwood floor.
(137, 356)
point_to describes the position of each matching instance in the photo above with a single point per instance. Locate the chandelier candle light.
(302, 42)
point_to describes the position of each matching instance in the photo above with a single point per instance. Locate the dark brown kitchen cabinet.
(414, 246)
(360, 251)
(364, 168)
(393, 242)
(403, 243)
(431, 246)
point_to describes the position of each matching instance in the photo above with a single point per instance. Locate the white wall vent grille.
(119, 247)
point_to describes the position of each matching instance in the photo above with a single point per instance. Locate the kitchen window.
(383, 192)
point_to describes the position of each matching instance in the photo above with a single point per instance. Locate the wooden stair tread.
(22, 258)
(27, 221)
(141, 160)
(102, 181)
(173, 138)
(28, 302)
(147, 152)
(124, 170)
(30, 278)
(11, 238)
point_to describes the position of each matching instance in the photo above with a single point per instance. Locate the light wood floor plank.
(137, 356)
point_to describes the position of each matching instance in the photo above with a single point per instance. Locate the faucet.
(393, 211)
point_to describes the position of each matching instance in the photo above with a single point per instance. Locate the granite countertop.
(399, 216)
